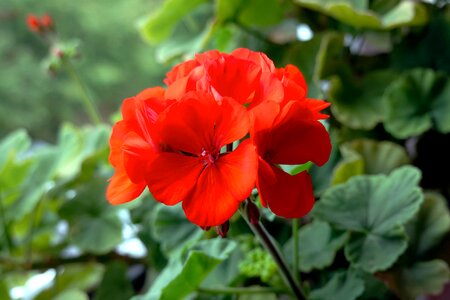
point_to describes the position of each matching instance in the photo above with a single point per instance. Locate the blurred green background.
(115, 63)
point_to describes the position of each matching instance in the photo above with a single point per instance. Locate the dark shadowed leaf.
(416, 101)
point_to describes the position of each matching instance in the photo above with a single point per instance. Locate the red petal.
(141, 111)
(287, 196)
(119, 131)
(294, 138)
(137, 152)
(262, 117)
(258, 58)
(232, 77)
(222, 186)
(269, 89)
(121, 189)
(294, 83)
(198, 121)
(179, 71)
(211, 202)
(239, 168)
(171, 176)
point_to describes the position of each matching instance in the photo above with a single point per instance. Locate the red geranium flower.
(175, 141)
(194, 168)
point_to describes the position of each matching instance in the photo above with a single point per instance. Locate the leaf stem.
(239, 290)
(87, 101)
(269, 244)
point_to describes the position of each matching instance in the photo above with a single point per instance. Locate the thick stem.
(88, 103)
(269, 244)
(295, 269)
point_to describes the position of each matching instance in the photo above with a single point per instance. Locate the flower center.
(208, 157)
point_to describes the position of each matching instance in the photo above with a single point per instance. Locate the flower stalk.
(87, 101)
(269, 244)
(295, 267)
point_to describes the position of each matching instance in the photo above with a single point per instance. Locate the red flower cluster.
(35, 24)
(180, 141)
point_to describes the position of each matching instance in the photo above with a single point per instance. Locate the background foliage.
(380, 228)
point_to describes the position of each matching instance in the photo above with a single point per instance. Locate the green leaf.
(115, 284)
(373, 208)
(357, 102)
(73, 277)
(423, 278)
(72, 295)
(160, 24)
(357, 14)
(419, 49)
(227, 9)
(366, 156)
(94, 224)
(341, 286)
(184, 45)
(261, 13)
(13, 144)
(415, 101)
(429, 226)
(249, 12)
(317, 245)
(171, 228)
(373, 252)
(186, 271)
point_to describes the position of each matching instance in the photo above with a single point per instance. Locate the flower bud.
(33, 23)
(252, 212)
(222, 230)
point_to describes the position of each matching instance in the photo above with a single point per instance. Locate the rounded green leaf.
(415, 101)
(357, 102)
(317, 245)
(341, 286)
(94, 224)
(366, 156)
(375, 252)
(372, 203)
(430, 225)
(171, 228)
(373, 208)
(423, 278)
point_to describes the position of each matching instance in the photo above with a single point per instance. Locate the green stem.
(87, 101)
(239, 290)
(295, 268)
(8, 239)
(34, 218)
(269, 244)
